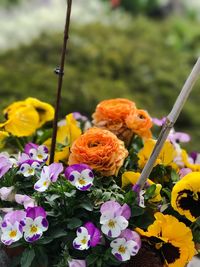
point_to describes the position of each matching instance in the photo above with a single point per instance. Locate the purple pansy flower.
(126, 245)
(12, 226)
(114, 218)
(77, 263)
(178, 137)
(36, 152)
(5, 164)
(49, 175)
(94, 232)
(80, 175)
(87, 236)
(36, 224)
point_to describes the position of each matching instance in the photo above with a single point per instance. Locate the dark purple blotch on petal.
(45, 223)
(110, 233)
(71, 178)
(118, 256)
(34, 238)
(84, 188)
(4, 224)
(76, 246)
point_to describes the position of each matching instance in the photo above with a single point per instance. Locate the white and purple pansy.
(12, 226)
(49, 175)
(36, 224)
(87, 236)
(36, 152)
(5, 164)
(126, 245)
(80, 175)
(114, 218)
(28, 167)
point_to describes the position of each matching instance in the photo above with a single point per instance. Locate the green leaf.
(150, 191)
(58, 233)
(90, 259)
(174, 176)
(130, 197)
(137, 211)
(74, 223)
(27, 257)
(87, 206)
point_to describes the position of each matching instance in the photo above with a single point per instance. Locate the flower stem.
(60, 72)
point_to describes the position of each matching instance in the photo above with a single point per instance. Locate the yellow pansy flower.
(25, 117)
(132, 178)
(172, 238)
(166, 156)
(23, 122)
(186, 196)
(45, 110)
(66, 135)
(3, 136)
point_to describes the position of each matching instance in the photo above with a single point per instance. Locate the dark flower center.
(170, 252)
(187, 200)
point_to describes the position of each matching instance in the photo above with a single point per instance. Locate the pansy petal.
(122, 222)
(42, 185)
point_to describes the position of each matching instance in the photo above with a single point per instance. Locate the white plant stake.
(170, 121)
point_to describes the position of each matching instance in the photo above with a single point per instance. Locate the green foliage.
(145, 61)
(8, 3)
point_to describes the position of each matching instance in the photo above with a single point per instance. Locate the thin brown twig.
(60, 72)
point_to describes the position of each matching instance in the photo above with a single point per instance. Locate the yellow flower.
(66, 135)
(166, 156)
(3, 136)
(172, 238)
(186, 196)
(25, 117)
(45, 110)
(132, 178)
(23, 122)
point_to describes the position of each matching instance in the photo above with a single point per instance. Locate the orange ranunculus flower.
(140, 122)
(111, 115)
(121, 117)
(100, 149)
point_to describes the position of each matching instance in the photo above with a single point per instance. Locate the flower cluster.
(85, 209)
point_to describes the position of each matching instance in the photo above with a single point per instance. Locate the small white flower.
(123, 250)
(34, 228)
(111, 225)
(81, 180)
(28, 169)
(42, 184)
(10, 232)
(40, 154)
(82, 241)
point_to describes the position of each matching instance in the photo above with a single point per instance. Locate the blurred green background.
(142, 50)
